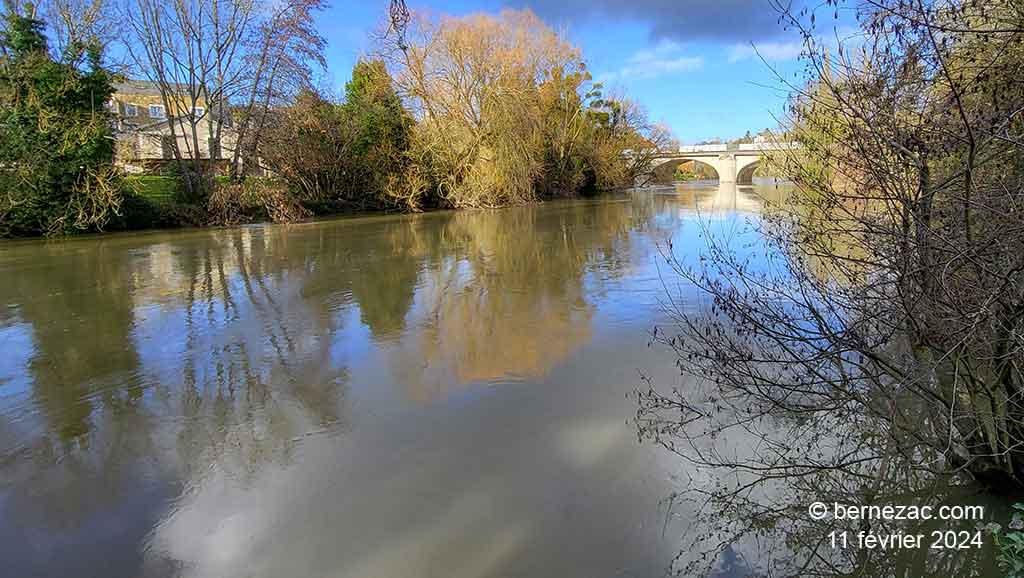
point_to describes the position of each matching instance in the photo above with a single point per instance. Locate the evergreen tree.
(56, 142)
(375, 108)
(382, 129)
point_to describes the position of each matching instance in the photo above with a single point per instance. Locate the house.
(143, 125)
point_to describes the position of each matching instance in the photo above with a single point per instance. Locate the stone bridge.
(732, 163)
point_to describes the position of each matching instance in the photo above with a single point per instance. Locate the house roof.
(144, 87)
(137, 87)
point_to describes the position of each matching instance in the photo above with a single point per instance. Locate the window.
(131, 110)
(156, 111)
(198, 111)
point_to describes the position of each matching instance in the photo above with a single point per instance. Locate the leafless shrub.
(876, 346)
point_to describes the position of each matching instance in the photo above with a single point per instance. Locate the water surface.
(429, 395)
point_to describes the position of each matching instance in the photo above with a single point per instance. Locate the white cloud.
(849, 37)
(770, 51)
(658, 67)
(664, 58)
(663, 48)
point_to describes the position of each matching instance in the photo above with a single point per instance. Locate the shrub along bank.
(526, 124)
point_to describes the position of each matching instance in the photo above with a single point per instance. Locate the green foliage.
(566, 127)
(343, 155)
(585, 135)
(1010, 541)
(383, 130)
(540, 135)
(374, 107)
(139, 212)
(682, 174)
(56, 146)
(509, 114)
(156, 188)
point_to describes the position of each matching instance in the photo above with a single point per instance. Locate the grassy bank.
(155, 202)
(154, 188)
(158, 202)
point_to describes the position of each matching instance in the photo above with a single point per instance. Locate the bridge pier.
(726, 167)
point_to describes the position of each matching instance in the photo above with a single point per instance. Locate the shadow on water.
(439, 394)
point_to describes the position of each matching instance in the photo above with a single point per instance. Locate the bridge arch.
(745, 171)
(663, 172)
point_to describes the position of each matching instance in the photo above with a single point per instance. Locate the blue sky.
(689, 62)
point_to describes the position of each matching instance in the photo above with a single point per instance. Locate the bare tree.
(74, 25)
(644, 140)
(632, 142)
(280, 55)
(879, 347)
(242, 58)
(80, 22)
(193, 50)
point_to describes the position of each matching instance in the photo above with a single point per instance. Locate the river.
(444, 394)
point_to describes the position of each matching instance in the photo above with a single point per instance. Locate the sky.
(691, 63)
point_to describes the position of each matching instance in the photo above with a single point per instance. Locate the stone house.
(143, 125)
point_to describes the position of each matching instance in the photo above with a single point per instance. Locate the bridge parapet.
(757, 146)
(769, 146)
(703, 148)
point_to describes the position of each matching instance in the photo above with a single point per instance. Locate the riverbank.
(153, 202)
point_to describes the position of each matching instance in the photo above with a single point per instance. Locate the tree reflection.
(384, 271)
(510, 297)
(253, 350)
(188, 356)
(81, 317)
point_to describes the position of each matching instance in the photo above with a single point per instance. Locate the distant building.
(143, 128)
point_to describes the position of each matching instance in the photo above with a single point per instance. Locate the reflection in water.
(437, 394)
(512, 303)
(758, 463)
